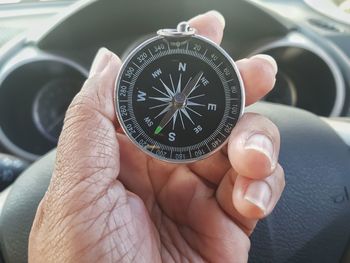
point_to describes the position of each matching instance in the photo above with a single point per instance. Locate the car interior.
(46, 50)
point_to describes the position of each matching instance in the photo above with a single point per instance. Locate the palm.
(167, 212)
(177, 199)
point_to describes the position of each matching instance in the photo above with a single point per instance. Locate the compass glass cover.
(178, 99)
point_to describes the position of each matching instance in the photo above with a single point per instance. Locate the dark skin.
(109, 202)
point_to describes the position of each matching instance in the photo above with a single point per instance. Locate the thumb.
(88, 150)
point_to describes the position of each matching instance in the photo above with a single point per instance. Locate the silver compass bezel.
(129, 57)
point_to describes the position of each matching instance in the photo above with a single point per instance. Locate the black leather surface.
(310, 224)
(311, 221)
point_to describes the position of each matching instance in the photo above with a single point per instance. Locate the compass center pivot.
(179, 100)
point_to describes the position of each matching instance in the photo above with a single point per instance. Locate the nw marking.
(157, 73)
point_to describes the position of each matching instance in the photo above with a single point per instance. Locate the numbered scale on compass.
(178, 98)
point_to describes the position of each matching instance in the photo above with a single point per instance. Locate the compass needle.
(191, 84)
(174, 119)
(163, 111)
(158, 130)
(177, 105)
(167, 117)
(196, 87)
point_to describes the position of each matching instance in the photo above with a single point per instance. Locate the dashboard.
(42, 69)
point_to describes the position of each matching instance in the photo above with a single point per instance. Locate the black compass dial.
(178, 99)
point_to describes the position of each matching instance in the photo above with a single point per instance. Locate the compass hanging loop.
(183, 29)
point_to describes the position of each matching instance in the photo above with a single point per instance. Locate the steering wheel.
(309, 224)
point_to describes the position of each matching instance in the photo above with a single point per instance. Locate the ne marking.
(227, 81)
(174, 118)
(150, 52)
(128, 82)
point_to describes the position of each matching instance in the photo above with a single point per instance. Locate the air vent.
(34, 95)
(324, 25)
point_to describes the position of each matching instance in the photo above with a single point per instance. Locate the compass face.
(178, 99)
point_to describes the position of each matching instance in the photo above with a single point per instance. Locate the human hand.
(110, 202)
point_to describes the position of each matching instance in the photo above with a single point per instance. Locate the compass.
(179, 95)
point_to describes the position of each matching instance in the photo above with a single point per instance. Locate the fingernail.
(100, 61)
(259, 194)
(270, 60)
(261, 143)
(219, 16)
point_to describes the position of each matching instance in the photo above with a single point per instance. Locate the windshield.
(19, 16)
(344, 5)
(336, 9)
(12, 2)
